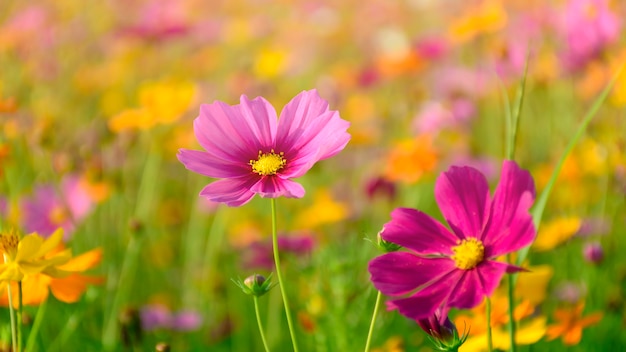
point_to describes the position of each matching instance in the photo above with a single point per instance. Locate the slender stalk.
(258, 320)
(19, 316)
(374, 315)
(36, 325)
(12, 315)
(512, 327)
(280, 277)
(489, 342)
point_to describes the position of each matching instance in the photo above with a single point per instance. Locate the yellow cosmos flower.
(555, 232)
(489, 17)
(161, 102)
(68, 289)
(30, 255)
(530, 330)
(325, 210)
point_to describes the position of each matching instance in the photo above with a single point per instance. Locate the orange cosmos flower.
(571, 323)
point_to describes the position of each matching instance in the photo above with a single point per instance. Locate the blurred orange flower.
(571, 323)
(410, 159)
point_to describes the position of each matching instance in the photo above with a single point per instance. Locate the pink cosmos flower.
(456, 268)
(47, 210)
(253, 152)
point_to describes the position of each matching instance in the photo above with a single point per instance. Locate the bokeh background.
(97, 97)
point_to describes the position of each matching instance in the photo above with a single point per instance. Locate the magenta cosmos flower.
(253, 152)
(457, 267)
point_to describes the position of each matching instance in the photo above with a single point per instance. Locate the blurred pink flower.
(159, 20)
(253, 152)
(587, 27)
(458, 267)
(158, 316)
(435, 116)
(47, 210)
(260, 256)
(593, 252)
(432, 48)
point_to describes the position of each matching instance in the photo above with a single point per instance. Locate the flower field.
(257, 175)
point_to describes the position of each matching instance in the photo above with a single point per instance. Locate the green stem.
(258, 320)
(280, 276)
(36, 325)
(512, 328)
(12, 315)
(19, 316)
(374, 315)
(489, 342)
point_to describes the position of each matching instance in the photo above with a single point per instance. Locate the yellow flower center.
(8, 242)
(468, 253)
(268, 163)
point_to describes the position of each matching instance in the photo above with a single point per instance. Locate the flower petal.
(208, 164)
(236, 132)
(418, 232)
(273, 187)
(308, 132)
(424, 303)
(233, 192)
(510, 226)
(475, 284)
(462, 194)
(399, 273)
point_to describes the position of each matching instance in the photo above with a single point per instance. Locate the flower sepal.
(255, 285)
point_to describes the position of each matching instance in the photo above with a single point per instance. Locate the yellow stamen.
(468, 253)
(268, 163)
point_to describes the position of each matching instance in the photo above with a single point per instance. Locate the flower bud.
(255, 285)
(442, 331)
(386, 246)
(593, 252)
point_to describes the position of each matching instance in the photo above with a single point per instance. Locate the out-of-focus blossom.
(488, 17)
(594, 226)
(159, 20)
(380, 186)
(410, 159)
(158, 316)
(570, 292)
(458, 267)
(570, 324)
(270, 63)
(46, 210)
(259, 255)
(593, 252)
(161, 102)
(254, 152)
(432, 48)
(324, 210)
(587, 26)
(533, 285)
(530, 329)
(555, 232)
(436, 116)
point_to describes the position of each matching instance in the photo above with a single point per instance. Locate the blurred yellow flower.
(270, 63)
(533, 284)
(411, 159)
(529, 330)
(555, 232)
(571, 323)
(324, 210)
(30, 255)
(161, 102)
(487, 17)
(393, 344)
